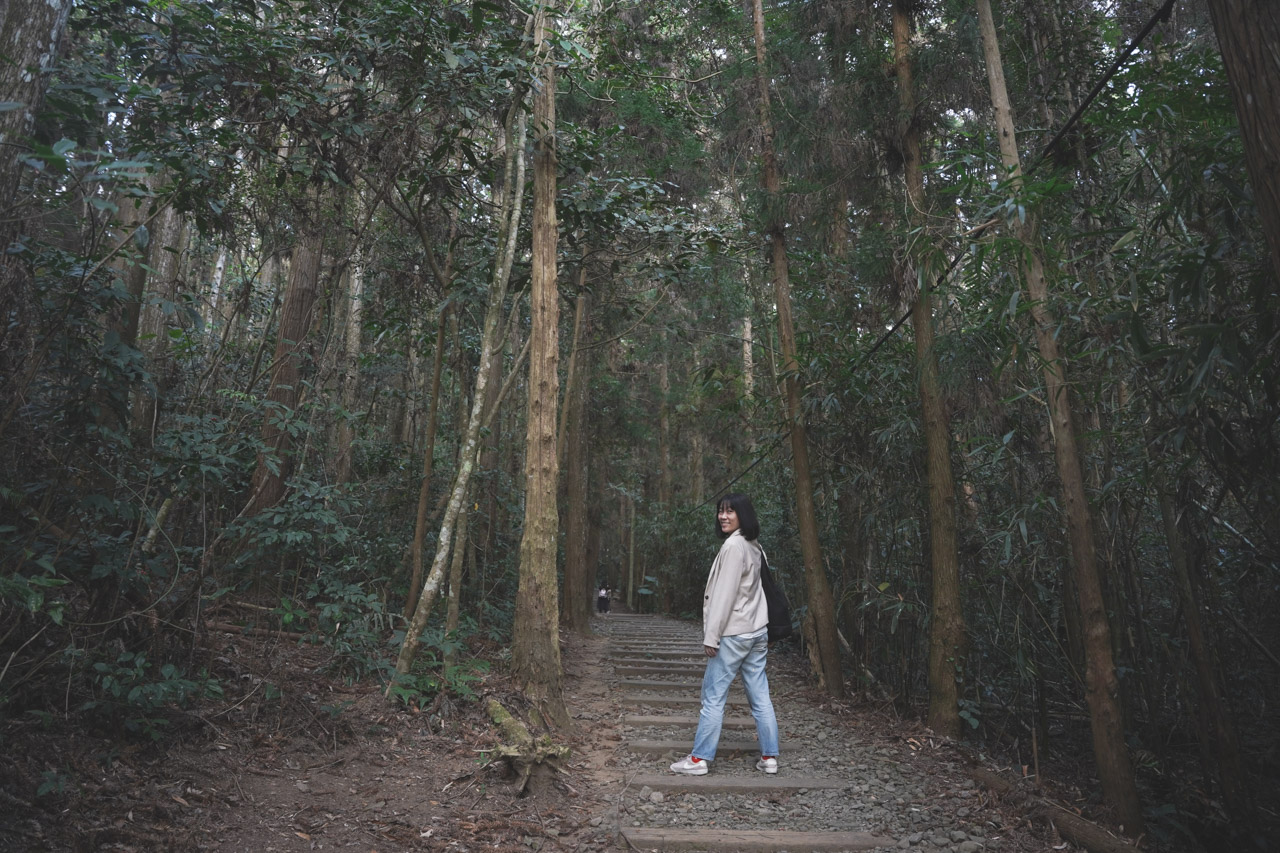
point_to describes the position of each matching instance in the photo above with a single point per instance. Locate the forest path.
(844, 783)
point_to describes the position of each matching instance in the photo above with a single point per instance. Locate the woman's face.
(728, 518)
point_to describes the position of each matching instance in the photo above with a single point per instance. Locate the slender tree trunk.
(217, 291)
(629, 515)
(351, 369)
(413, 386)
(664, 429)
(571, 372)
(132, 269)
(454, 602)
(697, 454)
(275, 460)
(1115, 769)
(163, 255)
(1248, 33)
(453, 609)
(428, 455)
(820, 604)
(535, 648)
(947, 632)
(1221, 745)
(579, 573)
(509, 219)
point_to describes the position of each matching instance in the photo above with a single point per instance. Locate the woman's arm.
(722, 589)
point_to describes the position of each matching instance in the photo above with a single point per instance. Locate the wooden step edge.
(727, 783)
(716, 838)
(677, 701)
(676, 664)
(726, 748)
(644, 720)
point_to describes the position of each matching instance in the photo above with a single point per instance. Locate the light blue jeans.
(743, 653)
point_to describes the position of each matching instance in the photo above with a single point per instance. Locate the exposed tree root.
(523, 753)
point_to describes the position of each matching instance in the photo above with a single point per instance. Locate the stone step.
(642, 636)
(677, 662)
(715, 839)
(655, 684)
(725, 783)
(657, 669)
(725, 748)
(657, 653)
(644, 720)
(676, 701)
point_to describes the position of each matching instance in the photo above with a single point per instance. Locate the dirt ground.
(329, 766)
(322, 766)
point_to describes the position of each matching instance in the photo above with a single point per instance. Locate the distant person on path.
(735, 637)
(602, 600)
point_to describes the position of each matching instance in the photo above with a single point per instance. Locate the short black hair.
(748, 524)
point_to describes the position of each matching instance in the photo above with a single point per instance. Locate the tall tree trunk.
(535, 648)
(30, 34)
(351, 369)
(697, 454)
(820, 604)
(217, 290)
(571, 372)
(168, 237)
(1248, 33)
(274, 460)
(132, 270)
(453, 609)
(508, 219)
(1221, 746)
(664, 430)
(428, 455)
(579, 572)
(130, 267)
(947, 632)
(629, 517)
(1115, 768)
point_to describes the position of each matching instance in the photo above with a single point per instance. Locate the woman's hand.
(710, 651)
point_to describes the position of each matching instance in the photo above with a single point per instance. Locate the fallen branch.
(255, 632)
(1078, 830)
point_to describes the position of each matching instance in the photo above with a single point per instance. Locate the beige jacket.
(733, 602)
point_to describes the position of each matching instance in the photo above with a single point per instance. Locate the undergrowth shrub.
(439, 668)
(131, 691)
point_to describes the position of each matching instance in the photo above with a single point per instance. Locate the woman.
(735, 621)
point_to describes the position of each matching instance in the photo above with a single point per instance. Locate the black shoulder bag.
(779, 608)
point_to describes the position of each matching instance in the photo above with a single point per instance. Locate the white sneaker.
(768, 765)
(689, 767)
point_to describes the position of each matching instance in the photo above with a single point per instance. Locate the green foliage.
(310, 521)
(438, 668)
(53, 782)
(135, 401)
(131, 691)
